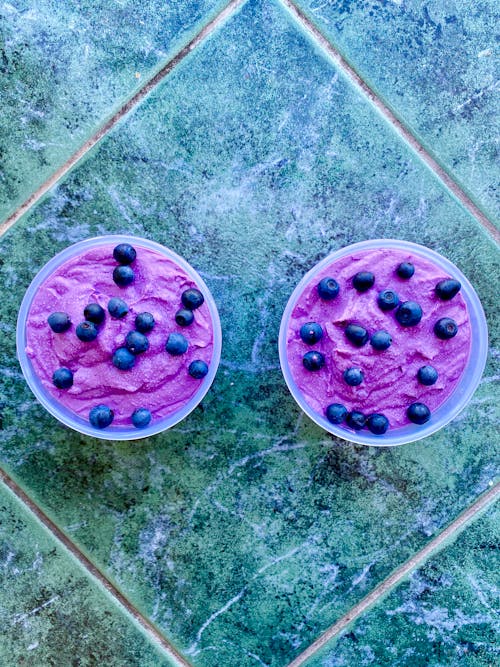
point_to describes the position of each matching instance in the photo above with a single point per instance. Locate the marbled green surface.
(245, 531)
(65, 67)
(51, 613)
(447, 613)
(436, 65)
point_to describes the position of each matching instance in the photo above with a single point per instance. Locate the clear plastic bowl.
(68, 417)
(465, 388)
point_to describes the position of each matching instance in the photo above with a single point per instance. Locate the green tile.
(445, 614)
(51, 611)
(245, 531)
(68, 66)
(435, 64)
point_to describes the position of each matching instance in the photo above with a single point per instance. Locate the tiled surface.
(51, 613)
(446, 614)
(245, 531)
(65, 67)
(436, 65)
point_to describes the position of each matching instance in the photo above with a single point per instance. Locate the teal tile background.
(446, 614)
(245, 531)
(436, 65)
(65, 67)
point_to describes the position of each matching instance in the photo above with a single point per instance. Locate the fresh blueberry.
(381, 340)
(313, 361)
(94, 313)
(136, 342)
(356, 334)
(123, 276)
(355, 420)
(144, 322)
(445, 328)
(328, 289)
(405, 270)
(63, 378)
(353, 376)
(377, 423)
(141, 417)
(124, 253)
(117, 308)
(409, 314)
(176, 344)
(198, 369)
(363, 280)
(336, 413)
(418, 413)
(123, 359)
(59, 322)
(311, 332)
(86, 331)
(427, 375)
(447, 289)
(192, 298)
(101, 416)
(184, 317)
(387, 300)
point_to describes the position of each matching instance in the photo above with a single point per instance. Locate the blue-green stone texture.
(445, 614)
(66, 67)
(245, 531)
(51, 611)
(436, 65)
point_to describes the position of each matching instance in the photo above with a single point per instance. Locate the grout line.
(398, 575)
(205, 32)
(320, 40)
(154, 634)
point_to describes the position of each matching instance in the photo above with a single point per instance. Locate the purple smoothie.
(158, 381)
(390, 381)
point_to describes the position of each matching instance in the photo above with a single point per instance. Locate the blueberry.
(377, 423)
(427, 375)
(59, 322)
(447, 289)
(124, 253)
(353, 376)
(136, 342)
(363, 280)
(94, 313)
(198, 369)
(405, 270)
(184, 317)
(176, 344)
(336, 413)
(141, 417)
(63, 378)
(355, 420)
(117, 308)
(409, 314)
(387, 300)
(144, 322)
(380, 340)
(86, 331)
(313, 361)
(311, 332)
(192, 298)
(123, 359)
(418, 413)
(356, 334)
(328, 289)
(123, 276)
(101, 416)
(445, 328)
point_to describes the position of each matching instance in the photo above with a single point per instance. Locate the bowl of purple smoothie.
(383, 342)
(118, 337)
